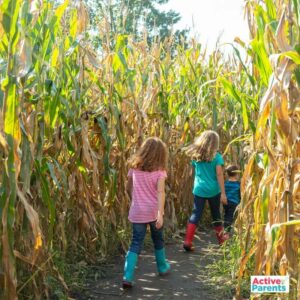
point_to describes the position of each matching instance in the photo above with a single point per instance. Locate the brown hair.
(232, 170)
(151, 156)
(204, 147)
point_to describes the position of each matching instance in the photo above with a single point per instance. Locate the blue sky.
(209, 18)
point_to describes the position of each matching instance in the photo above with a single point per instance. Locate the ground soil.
(185, 281)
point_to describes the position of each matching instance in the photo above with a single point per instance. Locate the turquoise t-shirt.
(206, 182)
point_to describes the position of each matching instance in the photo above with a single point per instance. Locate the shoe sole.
(165, 273)
(188, 248)
(126, 285)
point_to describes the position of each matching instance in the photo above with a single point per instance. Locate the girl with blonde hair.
(146, 188)
(207, 165)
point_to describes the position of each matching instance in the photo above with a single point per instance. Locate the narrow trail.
(186, 280)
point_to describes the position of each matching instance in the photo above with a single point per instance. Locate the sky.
(209, 18)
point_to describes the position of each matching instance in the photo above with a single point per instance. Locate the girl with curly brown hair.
(146, 188)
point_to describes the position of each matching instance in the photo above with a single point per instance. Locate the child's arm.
(161, 202)
(192, 172)
(220, 178)
(129, 186)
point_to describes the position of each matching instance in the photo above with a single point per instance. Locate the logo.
(270, 284)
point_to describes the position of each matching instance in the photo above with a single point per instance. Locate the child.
(146, 188)
(208, 185)
(233, 194)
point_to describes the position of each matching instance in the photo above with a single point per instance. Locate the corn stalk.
(71, 117)
(270, 209)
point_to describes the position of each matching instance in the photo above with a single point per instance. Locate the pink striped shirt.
(144, 202)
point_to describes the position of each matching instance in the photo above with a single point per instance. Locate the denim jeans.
(138, 236)
(214, 204)
(229, 211)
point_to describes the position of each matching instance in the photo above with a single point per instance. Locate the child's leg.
(197, 212)
(138, 236)
(159, 248)
(157, 236)
(214, 204)
(227, 218)
(229, 215)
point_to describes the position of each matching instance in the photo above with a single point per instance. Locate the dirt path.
(184, 282)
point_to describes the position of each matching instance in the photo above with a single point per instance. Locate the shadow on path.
(182, 283)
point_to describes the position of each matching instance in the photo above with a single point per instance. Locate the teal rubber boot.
(130, 263)
(163, 266)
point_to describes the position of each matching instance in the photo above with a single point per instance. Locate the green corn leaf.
(289, 223)
(271, 9)
(52, 173)
(230, 90)
(215, 114)
(8, 220)
(297, 10)
(10, 9)
(263, 62)
(293, 55)
(11, 125)
(73, 24)
(63, 177)
(123, 60)
(297, 75)
(60, 10)
(237, 52)
(26, 166)
(265, 203)
(275, 232)
(104, 132)
(46, 197)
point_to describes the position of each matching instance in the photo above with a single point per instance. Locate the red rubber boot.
(189, 236)
(222, 236)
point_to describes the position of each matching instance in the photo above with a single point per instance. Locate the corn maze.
(71, 116)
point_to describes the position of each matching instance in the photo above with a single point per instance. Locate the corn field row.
(70, 117)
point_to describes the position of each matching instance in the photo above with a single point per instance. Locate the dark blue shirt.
(233, 192)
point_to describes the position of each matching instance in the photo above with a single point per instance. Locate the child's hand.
(159, 221)
(224, 199)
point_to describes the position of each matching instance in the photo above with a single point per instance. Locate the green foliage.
(137, 18)
(224, 268)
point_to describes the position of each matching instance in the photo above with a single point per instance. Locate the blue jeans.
(229, 211)
(138, 236)
(214, 204)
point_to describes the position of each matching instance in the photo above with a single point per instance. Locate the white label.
(270, 284)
